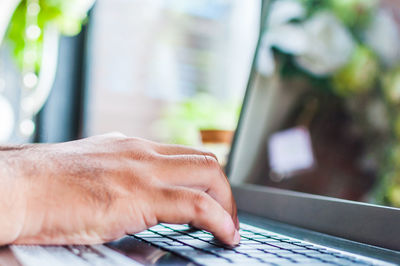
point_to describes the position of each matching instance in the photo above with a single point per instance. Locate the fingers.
(198, 172)
(184, 166)
(183, 205)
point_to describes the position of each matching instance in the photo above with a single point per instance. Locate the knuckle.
(201, 204)
(211, 161)
(136, 149)
(210, 154)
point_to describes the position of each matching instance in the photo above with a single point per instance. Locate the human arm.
(98, 189)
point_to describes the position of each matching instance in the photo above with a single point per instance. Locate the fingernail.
(236, 238)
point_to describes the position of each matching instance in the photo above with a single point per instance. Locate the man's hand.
(100, 188)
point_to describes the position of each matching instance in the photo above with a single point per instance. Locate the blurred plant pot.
(217, 141)
(215, 136)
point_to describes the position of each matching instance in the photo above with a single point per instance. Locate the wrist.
(13, 188)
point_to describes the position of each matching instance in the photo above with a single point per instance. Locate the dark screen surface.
(335, 69)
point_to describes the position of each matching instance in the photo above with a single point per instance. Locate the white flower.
(330, 45)
(383, 37)
(283, 11)
(321, 44)
(280, 33)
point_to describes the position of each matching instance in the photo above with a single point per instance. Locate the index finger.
(183, 205)
(200, 172)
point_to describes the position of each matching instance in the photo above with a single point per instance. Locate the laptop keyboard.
(257, 246)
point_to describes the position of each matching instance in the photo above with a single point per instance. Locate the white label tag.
(290, 151)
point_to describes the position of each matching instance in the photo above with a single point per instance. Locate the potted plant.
(202, 120)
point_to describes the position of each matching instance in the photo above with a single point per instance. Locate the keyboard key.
(196, 243)
(146, 233)
(280, 238)
(259, 237)
(246, 242)
(179, 249)
(302, 259)
(244, 249)
(158, 227)
(319, 249)
(175, 244)
(212, 248)
(287, 246)
(177, 226)
(161, 244)
(155, 238)
(211, 261)
(263, 255)
(233, 254)
(308, 260)
(238, 257)
(207, 237)
(183, 237)
(277, 260)
(326, 257)
(198, 233)
(282, 252)
(245, 260)
(170, 234)
(216, 242)
(245, 233)
(269, 241)
(344, 262)
(228, 251)
(251, 251)
(268, 247)
(309, 252)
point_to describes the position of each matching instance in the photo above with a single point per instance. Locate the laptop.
(285, 219)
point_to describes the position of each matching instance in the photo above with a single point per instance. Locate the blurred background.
(176, 71)
(155, 69)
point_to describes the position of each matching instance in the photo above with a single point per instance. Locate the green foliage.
(353, 13)
(67, 16)
(203, 111)
(391, 86)
(359, 75)
(388, 189)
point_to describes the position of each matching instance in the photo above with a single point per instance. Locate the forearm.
(12, 194)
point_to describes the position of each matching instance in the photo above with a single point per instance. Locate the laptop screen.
(321, 113)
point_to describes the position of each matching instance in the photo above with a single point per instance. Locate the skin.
(98, 189)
